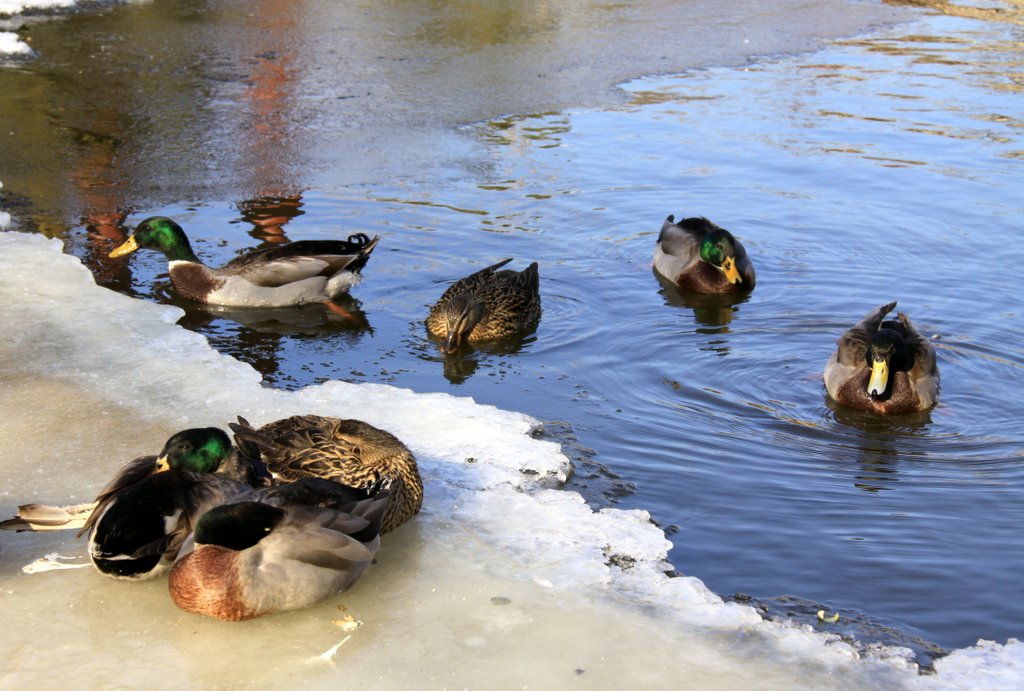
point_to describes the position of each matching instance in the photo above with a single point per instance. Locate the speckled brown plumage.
(351, 452)
(487, 305)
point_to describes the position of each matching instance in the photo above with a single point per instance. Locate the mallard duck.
(351, 452)
(278, 276)
(144, 514)
(283, 549)
(487, 305)
(884, 366)
(699, 257)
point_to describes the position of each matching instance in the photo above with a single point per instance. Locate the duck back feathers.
(350, 452)
(285, 548)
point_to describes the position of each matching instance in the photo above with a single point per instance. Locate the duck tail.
(40, 517)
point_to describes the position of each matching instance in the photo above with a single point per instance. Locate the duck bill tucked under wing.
(879, 377)
(127, 247)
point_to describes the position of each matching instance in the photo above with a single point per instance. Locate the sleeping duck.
(699, 257)
(194, 450)
(350, 452)
(277, 276)
(487, 305)
(884, 366)
(280, 549)
(144, 514)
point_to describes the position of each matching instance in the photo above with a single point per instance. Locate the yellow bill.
(162, 464)
(879, 377)
(129, 246)
(731, 273)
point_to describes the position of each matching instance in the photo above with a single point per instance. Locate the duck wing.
(925, 365)
(129, 475)
(854, 343)
(678, 247)
(512, 298)
(279, 265)
(473, 282)
(149, 521)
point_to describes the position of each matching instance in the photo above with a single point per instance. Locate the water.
(883, 167)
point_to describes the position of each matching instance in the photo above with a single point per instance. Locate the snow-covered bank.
(11, 20)
(501, 580)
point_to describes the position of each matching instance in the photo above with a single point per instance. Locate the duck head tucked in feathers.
(350, 452)
(282, 549)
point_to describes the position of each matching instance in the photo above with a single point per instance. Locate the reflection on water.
(880, 442)
(472, 24)
(305, 319)
(269, 216)
(1000, 13)
(708, 309)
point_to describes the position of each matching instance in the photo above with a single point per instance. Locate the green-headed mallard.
(351, 452)
(487, 305)
(278, 276)
(884, 366)
(144, 514)
(699, 257)
(285, 548)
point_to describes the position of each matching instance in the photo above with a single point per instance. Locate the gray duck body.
(278, 549)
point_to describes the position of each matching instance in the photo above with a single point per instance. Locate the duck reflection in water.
(461, 364)
(712, 313)
(708, 309)
(880, 443)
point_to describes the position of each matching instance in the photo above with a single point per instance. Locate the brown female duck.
(351, 452)
(487, 305)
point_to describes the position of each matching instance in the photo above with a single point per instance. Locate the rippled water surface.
(882, 168)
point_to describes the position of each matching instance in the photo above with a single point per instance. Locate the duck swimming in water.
(278, 276)
(883, 365)
(486, 306)
(700, 257)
